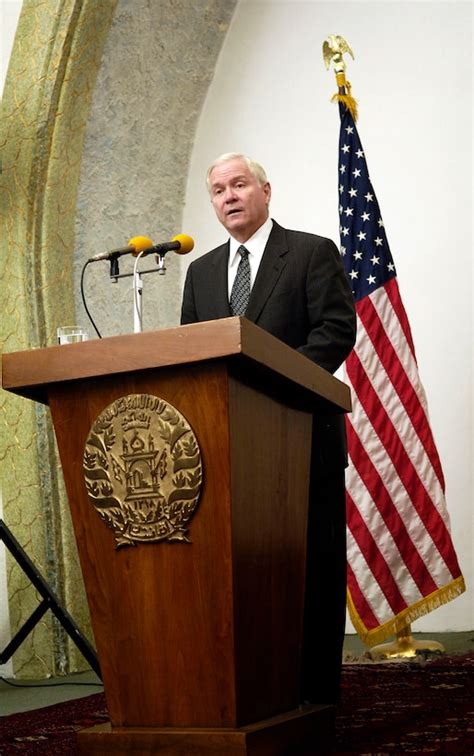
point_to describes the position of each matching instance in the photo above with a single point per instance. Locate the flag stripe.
(393, 293)
(382, 383)
(384, 541)
(391, 318)
(391, 517)
(399, 496)
(364, 576)
(364, 609)
(400, 382)
(429, 515)
(372, 553)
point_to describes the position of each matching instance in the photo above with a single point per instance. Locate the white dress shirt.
(255, 247)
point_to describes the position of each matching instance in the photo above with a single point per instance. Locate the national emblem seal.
(143, 471)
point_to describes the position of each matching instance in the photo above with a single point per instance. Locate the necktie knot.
(240, 294)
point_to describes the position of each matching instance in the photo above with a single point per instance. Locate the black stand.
(49, 602)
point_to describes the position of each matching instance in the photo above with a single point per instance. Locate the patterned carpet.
(390, 708)
(402, 708)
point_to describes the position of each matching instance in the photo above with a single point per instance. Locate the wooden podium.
(199, 636)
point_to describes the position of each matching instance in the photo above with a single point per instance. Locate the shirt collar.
(256, 244)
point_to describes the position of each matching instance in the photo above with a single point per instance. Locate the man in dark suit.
(293, 285)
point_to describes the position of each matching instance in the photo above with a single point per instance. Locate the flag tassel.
(344, 95)
(396, 624)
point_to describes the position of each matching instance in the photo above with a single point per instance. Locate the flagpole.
(404, 646)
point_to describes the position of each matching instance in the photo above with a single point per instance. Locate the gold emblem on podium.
(142, 468)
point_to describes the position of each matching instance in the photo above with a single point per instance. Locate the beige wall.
(413, 82)
(158, 62)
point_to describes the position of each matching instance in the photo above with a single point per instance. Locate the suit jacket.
(302, 296)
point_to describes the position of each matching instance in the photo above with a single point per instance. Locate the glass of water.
(71, 334)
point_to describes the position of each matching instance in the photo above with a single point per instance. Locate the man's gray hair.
(255, 168)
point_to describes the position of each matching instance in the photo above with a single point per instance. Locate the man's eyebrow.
(217, 184)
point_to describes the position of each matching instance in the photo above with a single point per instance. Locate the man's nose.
(229, 194)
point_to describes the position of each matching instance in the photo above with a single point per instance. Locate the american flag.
(401, 560)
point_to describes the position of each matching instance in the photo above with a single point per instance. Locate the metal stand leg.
(49, 602)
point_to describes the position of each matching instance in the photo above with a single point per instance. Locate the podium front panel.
(161, 612)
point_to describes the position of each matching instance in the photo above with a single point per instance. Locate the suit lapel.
(219, 282)
(270, 269)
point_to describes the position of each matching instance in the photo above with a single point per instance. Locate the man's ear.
(268, 191)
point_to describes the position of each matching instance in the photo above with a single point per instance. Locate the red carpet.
(386, 709)
(51, 730)
(400, 708)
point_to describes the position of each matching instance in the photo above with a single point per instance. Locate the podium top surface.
(30, 373)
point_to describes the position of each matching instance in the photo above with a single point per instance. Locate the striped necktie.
(240, 294)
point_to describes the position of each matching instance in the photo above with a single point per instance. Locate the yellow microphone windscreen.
(187, 243)
(140, 243)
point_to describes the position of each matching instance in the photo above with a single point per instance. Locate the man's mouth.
(234, 211)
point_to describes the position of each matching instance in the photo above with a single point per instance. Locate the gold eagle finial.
(334, 48)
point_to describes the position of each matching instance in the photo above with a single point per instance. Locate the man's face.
(240, 201)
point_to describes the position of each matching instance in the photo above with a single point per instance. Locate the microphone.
(182, 244)
(134, 247)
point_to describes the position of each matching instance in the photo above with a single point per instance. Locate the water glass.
(71, 334)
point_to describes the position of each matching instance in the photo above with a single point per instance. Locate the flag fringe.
(345, 97)
(409, 615)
